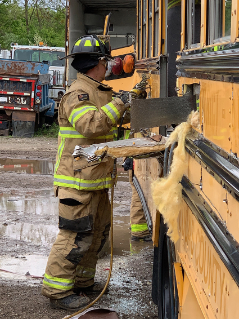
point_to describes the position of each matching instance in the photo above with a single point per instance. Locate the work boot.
(72, 302)
(147, 238)
(96, 288)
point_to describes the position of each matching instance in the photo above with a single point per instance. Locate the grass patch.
(48, 130)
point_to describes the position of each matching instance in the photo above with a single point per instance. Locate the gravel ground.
(28, 226)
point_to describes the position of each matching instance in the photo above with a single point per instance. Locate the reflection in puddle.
(42, 167)
(21, 267)
(27, 166)
(43, 235)
(123, 245)
(33, 203)
(121, 234)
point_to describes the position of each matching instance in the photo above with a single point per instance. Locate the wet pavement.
(26, 212)
(28, 227)
(42, 167)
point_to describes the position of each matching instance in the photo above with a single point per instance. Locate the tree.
(35, 20)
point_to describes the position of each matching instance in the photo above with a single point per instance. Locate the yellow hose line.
(111, 261)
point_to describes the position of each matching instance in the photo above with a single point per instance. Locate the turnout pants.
(138, 223)
(84, 228)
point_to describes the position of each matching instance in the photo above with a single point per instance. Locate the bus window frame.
(204, 24)
(148, 29)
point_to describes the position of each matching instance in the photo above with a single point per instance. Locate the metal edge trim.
(211, 163)
(212, 229)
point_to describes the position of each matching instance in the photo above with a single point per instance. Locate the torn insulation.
(122, 148)
(167, 191)
(130, 151)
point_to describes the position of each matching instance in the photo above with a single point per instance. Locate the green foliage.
(48, 130)
(45, 23)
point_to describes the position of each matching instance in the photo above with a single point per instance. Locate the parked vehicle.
(24, 97)
(40, 53)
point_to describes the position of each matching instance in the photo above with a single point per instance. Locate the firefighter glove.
(125, 97)
(128, 163)
(138, 94)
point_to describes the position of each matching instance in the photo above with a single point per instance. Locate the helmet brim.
(93, 54)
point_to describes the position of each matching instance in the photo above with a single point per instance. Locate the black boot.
(142, 238)
(96, 288)
(72, 302)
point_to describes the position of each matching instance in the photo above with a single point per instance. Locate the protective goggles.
(104, 62)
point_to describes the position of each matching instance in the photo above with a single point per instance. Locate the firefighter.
(139, 227)
(87, 114)
(138, 224)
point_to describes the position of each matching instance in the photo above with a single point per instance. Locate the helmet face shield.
(104, 62)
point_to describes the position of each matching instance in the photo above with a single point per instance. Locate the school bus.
(197, 277)
(189, 51)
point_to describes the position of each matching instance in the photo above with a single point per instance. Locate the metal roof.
(109, 4)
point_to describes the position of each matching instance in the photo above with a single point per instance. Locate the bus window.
(215, 10)
(228, 9)
(193, 22)
(148, 28)
(219, 21)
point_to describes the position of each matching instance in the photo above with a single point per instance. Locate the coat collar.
(93, 83)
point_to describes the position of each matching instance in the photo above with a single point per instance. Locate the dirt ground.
(28, 226)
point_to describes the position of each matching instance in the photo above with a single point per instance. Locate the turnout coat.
(87, 115)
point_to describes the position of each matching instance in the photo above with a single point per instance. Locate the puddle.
(27, 166)
(33, 203)
(26, 218)
(123, 245)
(121, 235)
(43, 167)
(23, 267)
(43, 235)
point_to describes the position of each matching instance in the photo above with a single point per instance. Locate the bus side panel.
(210, 279)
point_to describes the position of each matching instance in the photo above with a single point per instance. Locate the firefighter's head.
(89, 52)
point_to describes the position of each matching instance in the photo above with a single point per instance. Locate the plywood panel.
(215, 105)
(234, 20)
(154, 83)
(235, 119)
(203, 37)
